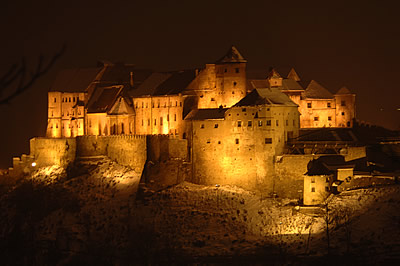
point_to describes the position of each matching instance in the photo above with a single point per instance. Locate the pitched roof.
(291, 85)
(274, 74)
(104, 99)
(293, 75)
(75, 80)
(258, 83)
(343, 90)
(265, 96)
(232, 56)
(207, 114)
(167, 83)
(316, 91)
(120, 73)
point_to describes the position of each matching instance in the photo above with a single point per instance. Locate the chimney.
(131, 80)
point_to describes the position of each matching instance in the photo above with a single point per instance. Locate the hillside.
(95, 213)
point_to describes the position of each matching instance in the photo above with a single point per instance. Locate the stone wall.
(290, 170)
(163, 147)
(51, 151)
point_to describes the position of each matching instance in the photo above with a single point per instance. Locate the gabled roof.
(258, 83)
(273, 74)
(207, 114)
(293, 75)
(167, 83)
(316, 91)
(75, 80)
(265, 96)
(343, 91)
(120, 73)
(232, 56)
(291, 85)
(104, 99)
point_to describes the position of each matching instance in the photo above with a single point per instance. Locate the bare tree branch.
(17, 75)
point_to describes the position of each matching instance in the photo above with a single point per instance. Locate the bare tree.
(17, 79)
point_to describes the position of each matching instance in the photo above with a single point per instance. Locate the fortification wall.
(91, 146)
(128, 150)
(162, 148)
(51, 151)
(289, 174)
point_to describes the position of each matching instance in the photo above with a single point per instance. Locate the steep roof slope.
(316, 91)
(343, 91)
(206, 114)
(265, 96)
(232, 56)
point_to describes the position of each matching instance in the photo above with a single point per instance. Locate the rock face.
(94, 213)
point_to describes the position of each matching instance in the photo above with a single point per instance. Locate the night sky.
(351, 43)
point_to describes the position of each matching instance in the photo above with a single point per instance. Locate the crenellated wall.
(51, 151)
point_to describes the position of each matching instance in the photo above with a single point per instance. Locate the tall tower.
(345, 107)
(230, 73)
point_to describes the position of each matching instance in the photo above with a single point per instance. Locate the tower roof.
(343, 90)
(232, 56)
(265, 96)
(273, 74)
(293, 75)
(316, 91)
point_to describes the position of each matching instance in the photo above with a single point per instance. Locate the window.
(226, 70)
(268, 122)
(73, 99)
(328, 105)
(348, 123)
(312, 179)
(158, 104)
(239, 123)
(233, 92)
(176, 103)
(237, 141)
(55, 100)
(142, 104)
(208, 141)
(309, 105)
(243, 109)
(167, 117)
(216, 126)
(174, 117)
(148, 122)
(237, 70)
(343, 103)
(51, 113)
(313, 189)
(161, 121)
(180, 104)
(234, 83)
(277, 123)
(142, 122)
(249, 123)
(268, 140)
(155, 122)
(294, 122)
(212, 99)
(329, 118)
(62, 113)
(219, 142)
(147, 105)
(202, 126)
(62, 99)
(259, 123)
(342, 113)
(316, 118)
(287, 122)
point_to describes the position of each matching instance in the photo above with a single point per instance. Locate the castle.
(118, 99)
(224, 127)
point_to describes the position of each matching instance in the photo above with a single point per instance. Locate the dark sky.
(352, 43)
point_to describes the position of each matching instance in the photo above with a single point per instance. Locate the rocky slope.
(95, 213)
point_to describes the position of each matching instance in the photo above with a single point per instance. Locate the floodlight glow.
(34, 164)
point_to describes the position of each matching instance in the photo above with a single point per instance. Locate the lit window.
(309, 105)
(259, 123)
(239, 123)
(249, 123)
(268, 140)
